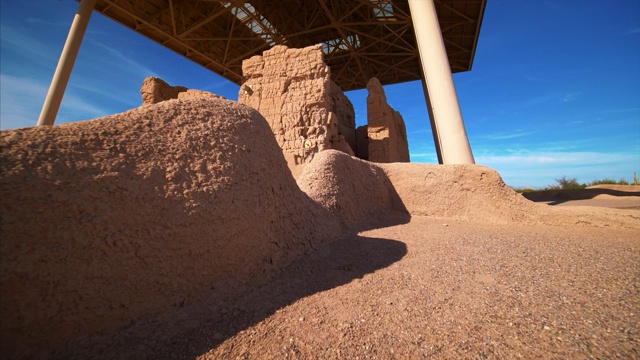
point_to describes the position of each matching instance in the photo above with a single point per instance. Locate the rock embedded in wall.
(386, 131)
(293, 90)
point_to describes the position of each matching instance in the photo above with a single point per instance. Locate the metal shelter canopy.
(361, 38)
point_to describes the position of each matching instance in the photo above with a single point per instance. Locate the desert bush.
(525, 190)
(569, 183)
(604, 181)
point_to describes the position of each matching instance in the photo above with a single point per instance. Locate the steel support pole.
(442, 100)
(65, 64)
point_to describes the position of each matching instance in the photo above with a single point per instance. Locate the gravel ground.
(430, 288)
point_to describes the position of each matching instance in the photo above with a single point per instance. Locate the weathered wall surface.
(108, 221)
(292, 89)
(193, 93)
(155, 90)
(343, 108)
(386, 131)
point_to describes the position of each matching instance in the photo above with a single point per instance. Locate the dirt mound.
(357, 192)
(558, 196)
(471, 192)
(107, 221)
(631, 188)
(478, 193)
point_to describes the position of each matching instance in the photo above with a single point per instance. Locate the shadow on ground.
(555, 197)
(195, 329)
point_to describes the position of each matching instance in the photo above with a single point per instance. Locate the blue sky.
(554, 89)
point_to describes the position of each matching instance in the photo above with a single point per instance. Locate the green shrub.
(525, 190)
(604, 181)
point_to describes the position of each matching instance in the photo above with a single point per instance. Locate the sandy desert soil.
(430, 288)
(612, 196)
(423, 261)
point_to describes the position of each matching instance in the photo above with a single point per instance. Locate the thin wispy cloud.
(427, 158)
(126, 63)
(75, 108)
(569, 97)
(67, 24)
(537, 79)
(633, 31)
(22, 100)
(17, 41)
(633, 111)
(508, 136)
(127, 98)
(421, 155)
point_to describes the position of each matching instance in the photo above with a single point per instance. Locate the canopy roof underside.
(361, 38)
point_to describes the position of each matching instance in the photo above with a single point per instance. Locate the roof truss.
(363, 38)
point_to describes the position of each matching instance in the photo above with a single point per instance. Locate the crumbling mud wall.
(293, 90)
(155, 90)
(385, 128)
(108, 221)
(343, 108)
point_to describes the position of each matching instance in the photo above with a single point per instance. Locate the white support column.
(65, 64)
(442, 100)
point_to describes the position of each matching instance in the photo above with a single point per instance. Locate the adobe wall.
(109, 221)
(155, 90)
(385, 129)
(293, 90)
(343, 108)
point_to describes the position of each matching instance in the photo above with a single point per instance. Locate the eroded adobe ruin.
(387, 135)
(155, 90)
(307, 111)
